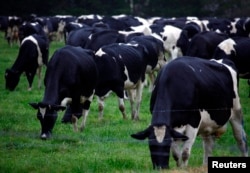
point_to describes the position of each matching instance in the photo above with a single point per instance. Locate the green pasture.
(104, 146)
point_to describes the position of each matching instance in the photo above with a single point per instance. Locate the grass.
(104, 146)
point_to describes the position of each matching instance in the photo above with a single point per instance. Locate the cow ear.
(178, 136)
(143, 134)
(34, 105)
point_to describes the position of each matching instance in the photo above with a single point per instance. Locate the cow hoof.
(45, 136)
(135, 118)
(81, 129)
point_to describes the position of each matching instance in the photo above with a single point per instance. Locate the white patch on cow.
(236, 100)
(172, 34)
(66, 101)
(159, 133)
(142, 29)
(191, 67)
(90, 16)
(227, 46)
(100, 52)
(128, 84)
(142, 20)
(42, 111)
(198, 22)
(233, 24)
(90, 36)
(43, 136)
(84, 99)
(39, 58)
(34, 23)
(206, 22)
(180, 129)
(207, 125)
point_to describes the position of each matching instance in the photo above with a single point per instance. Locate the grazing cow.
(80, 37)
(70, 80)
(192, 96)
(236, 49)
(33, 53)
(104, 37)
(120, 64)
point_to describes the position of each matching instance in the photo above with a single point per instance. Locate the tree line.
(143, 8)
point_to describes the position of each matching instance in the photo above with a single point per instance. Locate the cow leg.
(151, 81)
(39, 74)
(181, 154)
(208, 144)
(122, 107)
(30, 74)
(191, 133)
(135, 100)
(86, 105)
(85, 113)
(236, 122)
(30, 77)
(131, 95)
(101, 106)
(176, 152)
(74, 121)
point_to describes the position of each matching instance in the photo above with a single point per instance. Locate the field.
(104, 146)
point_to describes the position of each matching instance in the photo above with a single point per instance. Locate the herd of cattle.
(192, 65)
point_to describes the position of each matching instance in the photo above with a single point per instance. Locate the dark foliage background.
(143, 8)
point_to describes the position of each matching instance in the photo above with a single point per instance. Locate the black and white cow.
(204, 44)
(29, 28)
(237, 50)
(80, 37)
(33, 54)
(104, 37)
(122, 66)
(70, 79)
(191, 97)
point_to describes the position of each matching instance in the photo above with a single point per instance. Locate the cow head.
(47, 114)
(11, 78)
(159, 139)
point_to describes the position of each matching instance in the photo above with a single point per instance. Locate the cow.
(122, 66)
(204, 44)
(29, 28)
(104, 37)
(237, 50)
(70, 80)
(10, 26)
(70, 27)
(221, 25)
(154, 44)
(170, 35)
(192, 96)
(80, 37)
(240, 27)
(33, 54)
